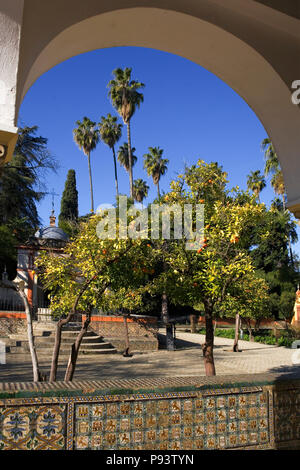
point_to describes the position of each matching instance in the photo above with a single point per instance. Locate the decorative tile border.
(287, 418)
(230, 417)
(32, 427)
(175, 421)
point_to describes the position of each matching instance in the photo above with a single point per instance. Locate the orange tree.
(211, 271)
(249, 301)
(92, 273)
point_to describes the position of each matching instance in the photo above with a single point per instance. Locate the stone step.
(63, 351)
(52, 326)
(66, 335)
(84, 351)
(92, 338)
(73, 333)
(40, 346)
(16, 350)
(92, 342)
(44, 337)
(68, 340)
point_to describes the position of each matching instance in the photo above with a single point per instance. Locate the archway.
(215, 42)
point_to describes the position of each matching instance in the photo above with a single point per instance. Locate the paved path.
(185, 361)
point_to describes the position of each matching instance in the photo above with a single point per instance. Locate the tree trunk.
(236, 338)
(35, 365)
(37, 376)
(91, 183)
(250, 333)
(170, 340)
(64, 321)
(208, 347)
(130, 158)
(59, 326)
(75, 349)
(257, 325)
(164, 309)
(249, 328)
(126, 335)
(158, 190)
(116, 173)
(56, 348)
(289, 239)
(193, 323)
(283, 202)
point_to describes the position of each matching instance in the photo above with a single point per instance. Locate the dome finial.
(52, 219)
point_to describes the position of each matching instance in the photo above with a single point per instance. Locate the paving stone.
(187, 361)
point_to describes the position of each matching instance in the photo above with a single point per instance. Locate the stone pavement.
(185, 361)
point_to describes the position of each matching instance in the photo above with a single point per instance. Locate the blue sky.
(187, 111)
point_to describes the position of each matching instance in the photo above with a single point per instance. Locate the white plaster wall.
(11, 14)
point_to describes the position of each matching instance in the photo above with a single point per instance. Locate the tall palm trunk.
(116, 173)
(289, 238)
(91, 182)
(130, 158)
(158, 191)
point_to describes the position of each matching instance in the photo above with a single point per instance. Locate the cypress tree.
(69, 201)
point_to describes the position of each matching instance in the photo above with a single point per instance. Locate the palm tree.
(271, 160)
(86, 136)
(123, 156)
(256, 183)
(155, 165)
(126, 98)
(110, 134)
(272, 167)
(140, 190)
(277, 183)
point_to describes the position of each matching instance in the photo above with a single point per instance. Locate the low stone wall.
(142, 331)
(267, 323)
(136, 344)
(184, 413)
(12, 323)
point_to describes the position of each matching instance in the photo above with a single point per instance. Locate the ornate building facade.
(50, 238)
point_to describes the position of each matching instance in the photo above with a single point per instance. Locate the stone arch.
(215, 48)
